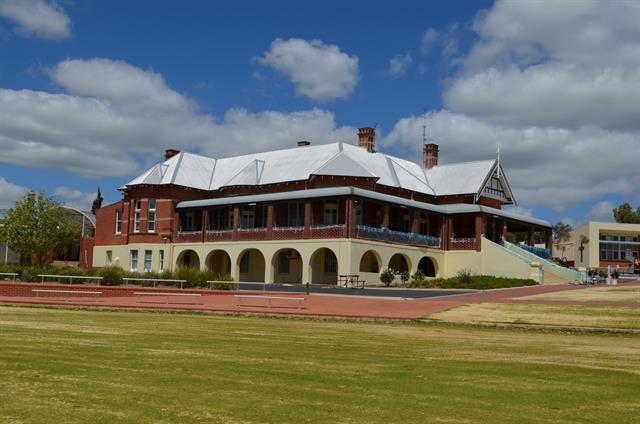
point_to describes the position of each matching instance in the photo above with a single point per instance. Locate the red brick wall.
(86, 252)
(24, 289)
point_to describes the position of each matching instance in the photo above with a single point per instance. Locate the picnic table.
(352, 281)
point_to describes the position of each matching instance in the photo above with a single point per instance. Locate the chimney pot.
(367, 138)
(169, 153)
(430, 155)
(303, 143)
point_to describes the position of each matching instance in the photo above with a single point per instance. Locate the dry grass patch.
(593, 294)
(579, 316)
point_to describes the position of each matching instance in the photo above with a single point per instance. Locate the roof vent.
(303, 143)
(169, 153)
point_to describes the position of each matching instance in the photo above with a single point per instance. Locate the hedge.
(114, 276)
(478, 282)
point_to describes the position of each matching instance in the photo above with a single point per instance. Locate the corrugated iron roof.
(300, 163)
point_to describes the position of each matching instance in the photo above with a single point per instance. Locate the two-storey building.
(312, 213)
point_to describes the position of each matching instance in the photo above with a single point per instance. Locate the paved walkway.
(313, 304)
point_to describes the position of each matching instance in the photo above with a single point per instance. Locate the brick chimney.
(430, 155)
(169, 153)
(303, 143)
(367, 138)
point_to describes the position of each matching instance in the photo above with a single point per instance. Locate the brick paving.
(313, 305)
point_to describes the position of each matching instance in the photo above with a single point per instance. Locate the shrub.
(478, 282)
(29, 274)
(191, 275)
(387, 276)
(465, 277)
(404, 277)
(112, 275)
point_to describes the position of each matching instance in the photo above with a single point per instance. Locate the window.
(359, 214)
(221, 219)
(136, 222)
(295, 216)
(109, 257)
(118, 221)
(331, 213)
(187, 221)
(134, 260)
(161, 260)
(424, 223)
(406, 221)
(148, 256)
(244, 262)
(151, 217)
(247, 218)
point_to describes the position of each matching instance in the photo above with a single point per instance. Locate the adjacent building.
(312, 213)
(600, 244)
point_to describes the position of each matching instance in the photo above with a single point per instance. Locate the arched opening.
(251, 266)
(287, 266)
(219, 262)
(369, 262)
(399, 263)
(188, 259)
(324, 267)
(428, 266)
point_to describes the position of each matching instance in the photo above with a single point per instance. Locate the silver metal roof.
(353, 191)
(300, 163)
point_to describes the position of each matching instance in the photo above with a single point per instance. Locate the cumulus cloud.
(552, 166)
(36, 18)
(601, 211)
(554, 85)
(319, 71)
(243, 131)
(74, 198)
(399, 64)
(9, 193)
(112, 114)
(543, 63)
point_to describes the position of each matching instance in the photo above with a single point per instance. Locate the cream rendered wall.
(349, 252)
(500, 262)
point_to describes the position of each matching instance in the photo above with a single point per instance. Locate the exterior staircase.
(553, 273)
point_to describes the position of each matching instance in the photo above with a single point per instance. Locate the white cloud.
(601, 211)
(117, 113)
(399, 64)
(520, 210)
(549, 64)
(74, 198)
(428, 40)
(243, 131)
(319, 71)
(551, 166)
(37, 18)
(9, 193)
(556, 86)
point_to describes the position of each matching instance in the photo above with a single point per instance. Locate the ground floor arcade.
(314, 261)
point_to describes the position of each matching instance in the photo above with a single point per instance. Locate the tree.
(561, 235)
(38, 227)
(583, 240)
(626, 215)
(97, 202)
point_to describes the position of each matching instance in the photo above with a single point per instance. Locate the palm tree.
(583, 240)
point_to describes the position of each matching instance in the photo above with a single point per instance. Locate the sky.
(92, 92)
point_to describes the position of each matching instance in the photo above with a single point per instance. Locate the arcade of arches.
(288, 265)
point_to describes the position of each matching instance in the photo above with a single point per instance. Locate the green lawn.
(62, 366)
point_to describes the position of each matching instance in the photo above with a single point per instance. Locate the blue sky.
(93, 92)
